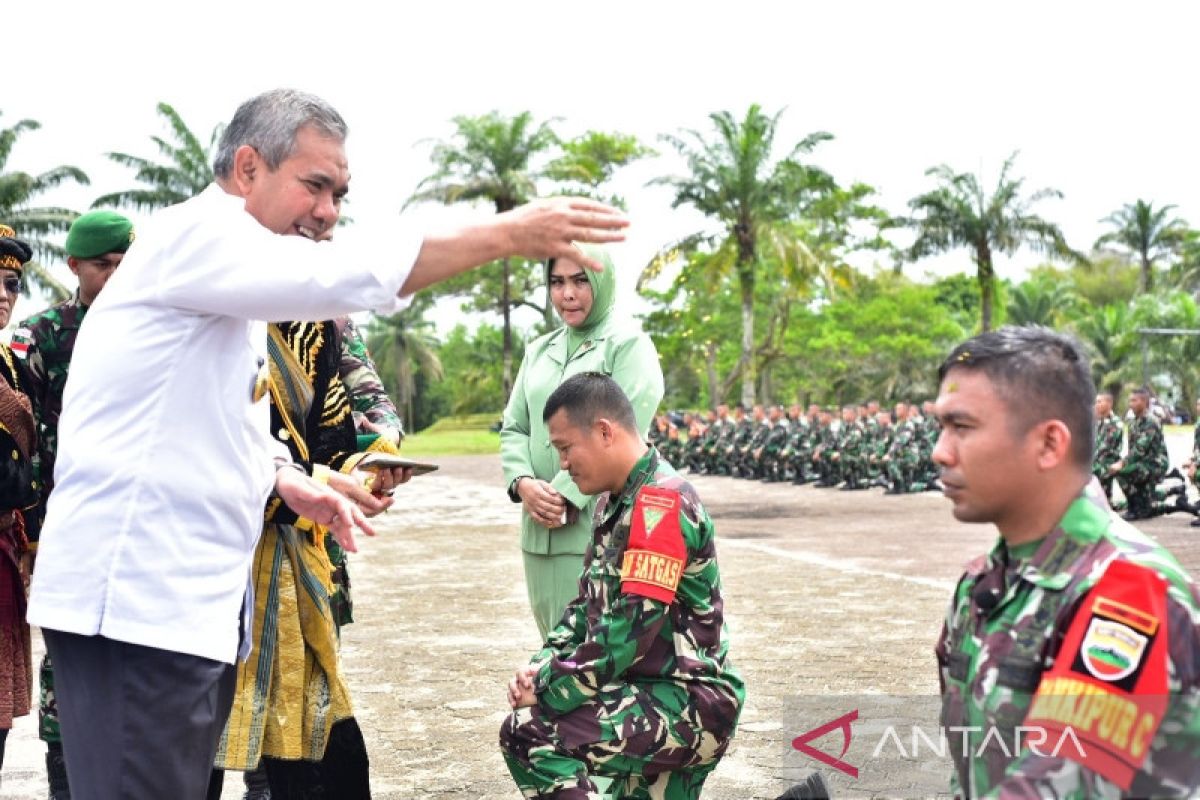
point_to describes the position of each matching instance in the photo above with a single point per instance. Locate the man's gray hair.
(269, 123)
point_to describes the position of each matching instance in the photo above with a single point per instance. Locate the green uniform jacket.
(613, 346)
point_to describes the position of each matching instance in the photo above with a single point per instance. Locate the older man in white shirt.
(165, 459)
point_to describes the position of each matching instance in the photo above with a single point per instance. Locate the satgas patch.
(656, 552)
(1108, 686)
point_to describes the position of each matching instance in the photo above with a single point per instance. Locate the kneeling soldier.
(635, 684)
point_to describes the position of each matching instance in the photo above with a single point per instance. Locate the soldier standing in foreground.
(635, 683)
(1076, 632)
(96, 244)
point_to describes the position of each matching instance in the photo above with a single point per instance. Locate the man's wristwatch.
(512, 488)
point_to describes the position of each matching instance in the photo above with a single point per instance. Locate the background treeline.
(794, 290)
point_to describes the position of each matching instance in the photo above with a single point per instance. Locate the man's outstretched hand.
(547, 228)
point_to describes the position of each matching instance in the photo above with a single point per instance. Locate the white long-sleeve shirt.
(164, 462)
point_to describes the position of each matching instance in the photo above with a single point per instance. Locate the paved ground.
(834, 598)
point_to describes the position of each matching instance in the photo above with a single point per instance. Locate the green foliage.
(884, 341)
(473, 376)
(589, 161)
(403, 347)
(1108, 335)
(1046, 299)
(187, 171)
(18, 191)
(1101, 280)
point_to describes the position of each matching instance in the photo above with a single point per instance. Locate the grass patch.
(466, 435)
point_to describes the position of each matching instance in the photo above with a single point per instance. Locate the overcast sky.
(1099, 97)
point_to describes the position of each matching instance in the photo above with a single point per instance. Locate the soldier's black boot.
(257, 785)
(811, 788)
(56, 772)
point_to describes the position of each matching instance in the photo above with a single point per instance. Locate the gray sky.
(1097, 96)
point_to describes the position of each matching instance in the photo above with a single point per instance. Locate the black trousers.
(138, 723)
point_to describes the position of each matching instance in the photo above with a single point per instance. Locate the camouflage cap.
(99, 232)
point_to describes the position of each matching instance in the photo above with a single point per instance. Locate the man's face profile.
(580, 452)
(984, 466)
(303, 196)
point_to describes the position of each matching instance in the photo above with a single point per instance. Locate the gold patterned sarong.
(290, 691)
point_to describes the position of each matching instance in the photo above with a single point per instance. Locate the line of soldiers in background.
(855, 448)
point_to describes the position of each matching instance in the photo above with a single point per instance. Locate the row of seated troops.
(855, 447)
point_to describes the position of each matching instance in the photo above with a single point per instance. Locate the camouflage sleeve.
(368, 397)
(623, 635)
(1167, 743)
(570, 631)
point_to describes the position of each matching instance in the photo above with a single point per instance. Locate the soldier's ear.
(1053, 440)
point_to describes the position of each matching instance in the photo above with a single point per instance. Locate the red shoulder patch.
(656, 553)
(1108, 686)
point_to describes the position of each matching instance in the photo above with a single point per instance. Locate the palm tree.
(490, 157)
(1146, 232)
(1039, 303)
(403, 345)
(734, 180)
(32, 223)
(188, 168)
(959, 213)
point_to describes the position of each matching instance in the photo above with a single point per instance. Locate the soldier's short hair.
(1039, 374)
(589, 396)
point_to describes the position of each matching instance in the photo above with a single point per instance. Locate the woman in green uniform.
(556, 518)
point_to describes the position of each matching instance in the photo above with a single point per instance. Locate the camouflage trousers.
(47, 704)
(647, 747)
(901, 472)
(1138, 487)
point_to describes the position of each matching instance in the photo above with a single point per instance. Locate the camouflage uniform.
(850, 446)
(771, 461)
(695, 449)
(1011, 657)
(876, 463)
(926, 471)
(797, 453)
(829, 469)
(872, 433)
(903, 457)
(1109, 436)
(1145, 464)
(45, 342)
(635, 683)
(368, 399)
(712, 440)
(747, 464)
(743, 432)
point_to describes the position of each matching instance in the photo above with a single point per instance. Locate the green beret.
(97, 233)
